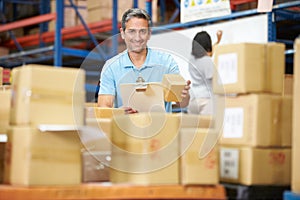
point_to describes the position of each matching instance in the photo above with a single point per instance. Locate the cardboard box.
(145, 149)
(275, 67)
(47, 95)
(255, 166)
(249, 67)
(42, 158)
(108, 112)
(193, 169)
(255, 120)
(5, 98)
(2, 156)
(95, 166)
(6, 76)
(195, 121)
(70, 16)
(102, 112)
(96, 152)
(96, 134)
(286, 121)
(173, 85)
(90, 4)
(296, 116)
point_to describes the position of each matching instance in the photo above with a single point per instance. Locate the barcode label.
(229, 163)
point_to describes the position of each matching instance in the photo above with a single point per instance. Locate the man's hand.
(129, 110)
(185, 94)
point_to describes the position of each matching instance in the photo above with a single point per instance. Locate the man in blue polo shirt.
(136, 61)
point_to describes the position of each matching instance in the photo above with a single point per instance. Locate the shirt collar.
(128, 64)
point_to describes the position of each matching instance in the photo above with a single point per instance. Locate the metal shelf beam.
(27, 22)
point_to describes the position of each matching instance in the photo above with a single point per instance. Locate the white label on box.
(227, 68)
(3, 137)
(233, 123)
(229, 163)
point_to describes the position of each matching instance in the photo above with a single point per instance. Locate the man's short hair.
(135, 12)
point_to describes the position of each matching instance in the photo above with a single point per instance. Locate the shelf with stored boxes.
(69, 44)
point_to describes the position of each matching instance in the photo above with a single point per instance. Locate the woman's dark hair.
(201, 44)
(135, 12)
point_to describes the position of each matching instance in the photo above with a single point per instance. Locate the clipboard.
(143, 97)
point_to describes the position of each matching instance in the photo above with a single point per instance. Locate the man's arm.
(105, 100)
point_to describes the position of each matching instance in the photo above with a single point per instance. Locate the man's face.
(136, 34)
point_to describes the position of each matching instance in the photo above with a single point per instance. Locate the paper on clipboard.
(150, 99)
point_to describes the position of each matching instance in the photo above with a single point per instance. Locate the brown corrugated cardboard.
(296, 117)
(96, 10)
(173, 85)
(145, 149)
(98, 134)
(98, 121)
(47, 95)
(42, 158)
(255, 166)
(2, 154)
(6, 76)
(195, 121)
(101, 112)
(95, 166)
(286, 120)
(275, 67)
(193, 169)
(108, 112)
(253, 120)
(249, 67)
(5, 98)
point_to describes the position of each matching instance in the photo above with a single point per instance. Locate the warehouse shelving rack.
(279, 13)
(38, 51)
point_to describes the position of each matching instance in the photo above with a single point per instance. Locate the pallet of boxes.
(255, 146)
(46, 108)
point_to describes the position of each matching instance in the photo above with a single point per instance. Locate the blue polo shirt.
(120, 69)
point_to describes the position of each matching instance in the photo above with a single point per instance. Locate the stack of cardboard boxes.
(150, 148)
(296, 126)
(255, 146)
(160, 148)
(95, 11)
(295, 178)
(46, 108)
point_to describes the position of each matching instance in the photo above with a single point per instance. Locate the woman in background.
(201, 69)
